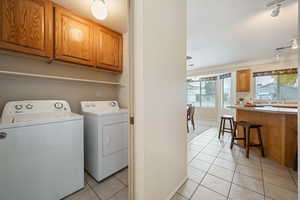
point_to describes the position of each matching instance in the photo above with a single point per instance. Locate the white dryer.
(41, 151)
(106, 138)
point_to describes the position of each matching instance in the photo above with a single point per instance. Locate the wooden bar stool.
(247, 130)
(222, 128)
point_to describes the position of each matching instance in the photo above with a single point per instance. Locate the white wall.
(18, 88)
(160, 117)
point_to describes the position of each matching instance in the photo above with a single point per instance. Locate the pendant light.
(99, 9)
(294, 44)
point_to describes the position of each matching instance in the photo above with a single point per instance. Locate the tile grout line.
(263, 179)
(120, 181)
(251, 190)
(270, 183)
(117, 193)
(228, 195)
(92, 189)
(198, 184)
(221, 150)
(206, 173)
(219, 177)
(291, 175)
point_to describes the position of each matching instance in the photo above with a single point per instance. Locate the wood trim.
(55, 5)
(51, 36)
(49, 28)
(61, 12)
(1, 22)
(117, 67)
(57, 77)
(47, 25)
(243, 80)
(120, 69)
(279, 134)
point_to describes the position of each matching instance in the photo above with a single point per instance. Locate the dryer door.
(115, 138)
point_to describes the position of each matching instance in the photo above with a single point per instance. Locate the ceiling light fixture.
(277, 55)
(99, 9)
(276, 11)
(276, 5)
(294, 44)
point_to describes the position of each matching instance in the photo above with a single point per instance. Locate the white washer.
(106, 138)
(41, 151)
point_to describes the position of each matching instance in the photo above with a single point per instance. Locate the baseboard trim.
(177, 188)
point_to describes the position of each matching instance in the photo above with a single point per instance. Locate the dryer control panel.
(100, 106)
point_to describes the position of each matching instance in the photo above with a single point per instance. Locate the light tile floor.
(200, 127)
(112, 188)
(216, 172)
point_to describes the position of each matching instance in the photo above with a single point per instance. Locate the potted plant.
(241, 100)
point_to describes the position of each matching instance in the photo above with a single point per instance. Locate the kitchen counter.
(279, 131)
(268, 109)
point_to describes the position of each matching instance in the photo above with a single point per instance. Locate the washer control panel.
(58, 105)
(31, 107)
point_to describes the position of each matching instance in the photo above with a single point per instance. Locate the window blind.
(227, 75)
(276, 72)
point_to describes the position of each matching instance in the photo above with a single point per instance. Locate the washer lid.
(34, 119)
(100, 106)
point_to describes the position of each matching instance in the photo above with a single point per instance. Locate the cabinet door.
(26, 26)
(73, 38)
(243, 80)
(109, 49)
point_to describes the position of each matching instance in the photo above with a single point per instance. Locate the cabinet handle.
(3, 135)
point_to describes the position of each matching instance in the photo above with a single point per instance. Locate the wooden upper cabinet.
(40, 27)
(243, 80)
(73, 38)
(109, 49)
(26, 26)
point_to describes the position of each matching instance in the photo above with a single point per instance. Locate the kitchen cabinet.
(243, 80)
(40, 27)
(74, 38)
(26, 26)
(109, 47)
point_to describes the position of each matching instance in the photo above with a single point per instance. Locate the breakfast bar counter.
(279, 131)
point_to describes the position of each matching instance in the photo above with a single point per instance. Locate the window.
(202, 93)
(276, 86)
(287, 87)
(193, 93)
(226, 92)
(266, 87)
(208, 93)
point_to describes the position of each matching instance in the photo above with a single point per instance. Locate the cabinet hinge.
(132, 120)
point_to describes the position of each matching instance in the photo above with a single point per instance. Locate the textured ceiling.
(227, 31)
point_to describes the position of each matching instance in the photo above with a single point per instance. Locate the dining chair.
(190, 116)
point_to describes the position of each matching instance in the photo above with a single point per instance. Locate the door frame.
(131, 185)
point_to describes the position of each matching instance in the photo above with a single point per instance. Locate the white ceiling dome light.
(99, 9)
